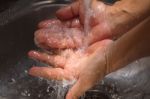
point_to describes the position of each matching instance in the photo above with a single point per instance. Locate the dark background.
(4, 4)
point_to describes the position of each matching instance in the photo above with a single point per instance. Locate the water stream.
(87, 15)
(87, 9)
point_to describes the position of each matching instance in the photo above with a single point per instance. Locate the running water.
(62, 87)
(87, 8)
(87, 15)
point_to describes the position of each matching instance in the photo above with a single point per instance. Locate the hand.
(85, 67)
(107, 22)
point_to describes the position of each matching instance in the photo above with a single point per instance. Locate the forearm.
(125, 14)
(130, 47)
(138, 8)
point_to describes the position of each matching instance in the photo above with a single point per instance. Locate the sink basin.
(17, 32)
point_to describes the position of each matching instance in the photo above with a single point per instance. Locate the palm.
(65, 66)
(100, 22)
(54, 34)
(67, 63)
(69, 33)
(74, 65)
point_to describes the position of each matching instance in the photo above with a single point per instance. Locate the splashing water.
(61, 87)
(87, 15)
(87, 9)
(64, 85)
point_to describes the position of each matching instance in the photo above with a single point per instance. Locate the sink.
(17, 32)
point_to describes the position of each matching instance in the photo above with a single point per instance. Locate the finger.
(49, 23)
(75, 23)
(54, 60)
(72, 23)
(49, 73)
(54, 38)
(68, 12)
(98, 33)
(79, 89)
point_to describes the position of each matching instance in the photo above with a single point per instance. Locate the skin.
(66, 63)
(73, 65)
(99, 59)
(133, 45)
(106, 22)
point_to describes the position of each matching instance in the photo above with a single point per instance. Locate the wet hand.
(85, 67)
(106, 22)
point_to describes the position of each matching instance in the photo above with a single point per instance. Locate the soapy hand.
(55, 34)
(85, 67)
(106, 22)
(99, 21)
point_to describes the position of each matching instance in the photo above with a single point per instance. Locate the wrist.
(113, 60)
(125, 14)
(120, 20)
(101, 57)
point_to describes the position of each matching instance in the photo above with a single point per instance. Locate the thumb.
(78, 89)
(68, 12)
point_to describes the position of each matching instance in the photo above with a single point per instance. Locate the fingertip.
(59, 11)
(33, 71)
(40, 72)
(32, 53)
(68, 12)
(70, 96)
(75, 91)
(49, 23)
(64, 13)
(42, 24)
